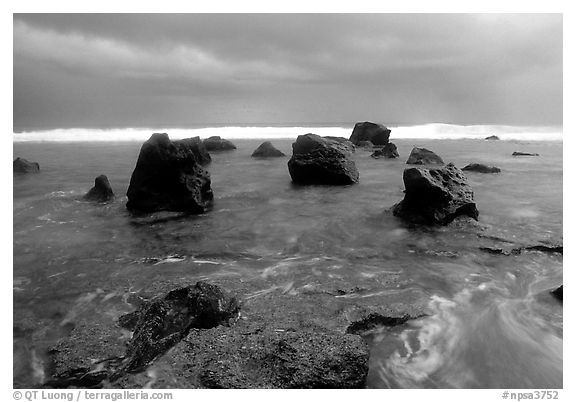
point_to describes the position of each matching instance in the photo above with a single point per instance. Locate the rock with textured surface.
(481, 168)
(101, 192)
(436, 196)
(317, 160)
(216, 143)
(21, 165)
(388, 151)
(267, 150)
(168, 177)
(423, 156)
(368, 131)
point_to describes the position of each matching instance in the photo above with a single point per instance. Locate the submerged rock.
(316, 160)
(388, 151)
(492, 138)
(436, 196)
(101, 192)
(423, 156)
(168, 177)
(161, 323)
(523, 154)
(367, 131)
(21, 165)
(480, 168)
(216, 143)
(557, 293)
(266, 150)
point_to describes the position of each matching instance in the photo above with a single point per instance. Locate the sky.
(181, 70)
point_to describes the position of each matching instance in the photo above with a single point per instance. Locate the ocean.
(491, 322)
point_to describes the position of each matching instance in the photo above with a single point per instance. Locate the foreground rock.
(317, 160)
(388, 151)
(436, 196)
(101, 192)
(492, 138)
(216, 143)
(267, 150)
(21, 165)
(377, 134)
(523, 154)
(342, 143)
(480, 168)
(168, 177)
(557, 293)
(423, 156)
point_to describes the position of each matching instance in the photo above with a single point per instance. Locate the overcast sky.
(166, 70)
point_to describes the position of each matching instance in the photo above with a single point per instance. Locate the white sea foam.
(426, 131)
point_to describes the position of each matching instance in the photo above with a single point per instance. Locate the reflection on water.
(491, 322)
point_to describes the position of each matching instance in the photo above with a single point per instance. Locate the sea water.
(492, 322)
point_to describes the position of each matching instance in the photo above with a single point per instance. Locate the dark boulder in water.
(196, 145)
(436, 196)
(523, 154)
(492, 138)
(367, 131)
(267, 150)
(21, 165)
(216, 143)
(317, 160)
(101, 192)
(423, 156)
(557, 293)
(480, 168)
(160, 324)
(388, 151)
(168, 177)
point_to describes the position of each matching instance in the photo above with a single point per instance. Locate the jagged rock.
(216, 143)
(436, 196)
(101, 192)
(367, 131)
(423, 156)
(168, 177)
(196, 145)
(162, 323)
(492, 138)
(516, 251)
(21, 165)
(316, 160)
(523, 154)
(266, 150)
(480, 168)
(557, 293)
(388, 151)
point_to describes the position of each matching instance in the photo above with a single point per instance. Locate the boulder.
(216, 143)
(480, 168)
(196, 145)
(316, 160)
(101, 192)
(423, 156)
(267, 150)
(492, 138)
(168, 177)
(557, 293)
(523, 154)
(388, 151)
(367, 131)
(21, 165)
(436, 196)
(160, 324)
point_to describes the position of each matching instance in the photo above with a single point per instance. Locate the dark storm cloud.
(134, 70)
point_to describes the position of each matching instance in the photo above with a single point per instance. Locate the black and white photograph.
(287, 201)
